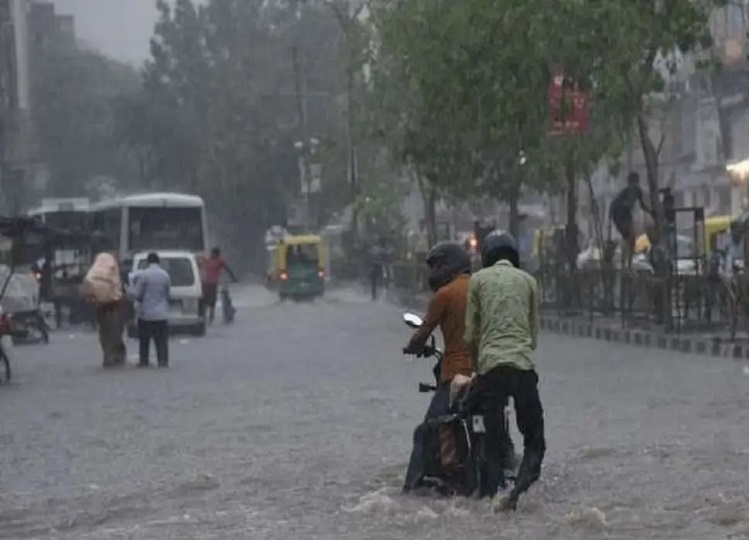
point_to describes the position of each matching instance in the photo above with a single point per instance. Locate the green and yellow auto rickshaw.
(300, 267)
(717, 228)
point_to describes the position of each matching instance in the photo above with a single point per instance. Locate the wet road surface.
(296, 422)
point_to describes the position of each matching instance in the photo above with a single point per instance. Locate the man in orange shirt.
(449, 276)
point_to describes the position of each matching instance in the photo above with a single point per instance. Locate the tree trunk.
(651, 164)
(429, 197)
(571, 231)
(513, 201)
(352, 161)
(431, 213)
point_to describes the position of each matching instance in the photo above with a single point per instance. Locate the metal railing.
(673, 303)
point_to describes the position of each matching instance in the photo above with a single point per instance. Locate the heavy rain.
(225, 226)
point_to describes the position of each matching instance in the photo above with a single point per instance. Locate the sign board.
(568, 107)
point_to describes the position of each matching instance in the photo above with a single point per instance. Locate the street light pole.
(301, 84)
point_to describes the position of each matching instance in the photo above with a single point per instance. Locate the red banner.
(568, 108)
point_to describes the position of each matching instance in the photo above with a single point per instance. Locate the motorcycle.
(8, 331)
(227, 306)
(465, 425)
(33, 322)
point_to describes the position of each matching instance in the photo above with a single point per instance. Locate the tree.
(74, 96)
(219, 112)
(638, 42)
(467, 86)
(473, 77)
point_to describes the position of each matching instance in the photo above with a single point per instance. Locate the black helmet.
(446, 261)
(499, 245)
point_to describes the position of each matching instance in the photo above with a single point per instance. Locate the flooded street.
(296, 422)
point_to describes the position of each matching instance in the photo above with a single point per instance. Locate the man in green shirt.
(501, 332)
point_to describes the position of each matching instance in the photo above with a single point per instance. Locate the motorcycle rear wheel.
(5, 371)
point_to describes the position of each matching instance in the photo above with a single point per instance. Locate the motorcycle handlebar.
(424, 388)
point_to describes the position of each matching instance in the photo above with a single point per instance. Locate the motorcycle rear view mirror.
(412, 320)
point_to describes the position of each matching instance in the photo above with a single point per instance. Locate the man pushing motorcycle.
(501, 330)
(449, 275)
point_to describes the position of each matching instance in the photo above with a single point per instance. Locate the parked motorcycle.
(227, 306)
(467, 429)
(34, 325)
(8, 331)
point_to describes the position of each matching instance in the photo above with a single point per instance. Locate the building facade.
(16, 133)
(703, 121)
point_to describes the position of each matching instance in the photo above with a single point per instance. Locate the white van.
(186, 291)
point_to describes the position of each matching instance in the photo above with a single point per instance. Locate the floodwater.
(296, 422)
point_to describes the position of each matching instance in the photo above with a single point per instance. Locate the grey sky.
(118, 28)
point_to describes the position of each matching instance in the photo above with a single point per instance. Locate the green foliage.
(219, 114)
(461, 87)
(379, 208)
(74, 96)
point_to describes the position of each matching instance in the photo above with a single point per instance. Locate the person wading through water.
(621, 210)
(151, 291)
(501, 331)
(102, 287)
(212, 268)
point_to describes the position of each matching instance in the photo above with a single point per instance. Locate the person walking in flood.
(151, 291)
(102, 287)
(212, 268)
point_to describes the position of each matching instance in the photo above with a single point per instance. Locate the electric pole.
(300, 83)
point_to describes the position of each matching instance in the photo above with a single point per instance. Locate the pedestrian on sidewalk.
(151, 291)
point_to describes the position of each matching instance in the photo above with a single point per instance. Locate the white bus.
(152, 221)
(70, 215)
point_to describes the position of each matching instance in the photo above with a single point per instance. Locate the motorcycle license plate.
(478, 424)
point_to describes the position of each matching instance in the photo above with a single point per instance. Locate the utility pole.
(346, 18)
(300, 83)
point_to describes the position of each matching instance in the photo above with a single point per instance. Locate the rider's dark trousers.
(440, 405)
(495, 388)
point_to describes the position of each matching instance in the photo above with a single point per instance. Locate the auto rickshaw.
(716, 229)
(299, 264)
(543, 241)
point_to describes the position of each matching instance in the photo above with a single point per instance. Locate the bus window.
(107, 224)
(72, 221)
(165, 228)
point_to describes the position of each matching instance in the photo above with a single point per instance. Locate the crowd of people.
(146, 300)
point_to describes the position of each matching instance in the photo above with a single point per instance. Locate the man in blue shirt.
(152, 294)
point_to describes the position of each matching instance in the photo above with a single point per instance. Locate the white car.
(186, 292)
